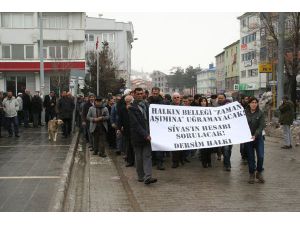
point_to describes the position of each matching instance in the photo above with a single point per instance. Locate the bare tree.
(292, 42)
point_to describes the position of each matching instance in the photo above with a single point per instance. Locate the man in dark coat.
(50, 105)
(286, 120)
(26, 107)
(140, 137)
(157, 156)
(36, 108)
(65, 108)
(85, 122)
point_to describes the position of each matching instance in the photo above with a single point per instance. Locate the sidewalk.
(30, 169)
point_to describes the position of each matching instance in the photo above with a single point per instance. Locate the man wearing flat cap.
(98, 116)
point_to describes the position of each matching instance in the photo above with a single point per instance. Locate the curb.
(58, 199)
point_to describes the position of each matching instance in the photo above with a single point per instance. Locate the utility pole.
(42, 80)
(280, 70)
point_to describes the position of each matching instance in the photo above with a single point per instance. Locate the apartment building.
(251, 81)
(220, 72)
(118, 35)
(63, 49)
(206, 81)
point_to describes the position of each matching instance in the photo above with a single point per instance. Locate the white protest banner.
(186, 127)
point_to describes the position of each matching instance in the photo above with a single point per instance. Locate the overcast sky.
(181, 39)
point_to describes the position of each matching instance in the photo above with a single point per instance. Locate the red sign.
(244, 47)
(35, 66)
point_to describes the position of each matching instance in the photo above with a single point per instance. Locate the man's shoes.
(95, 153)
(160, 166)
(140, 180)
(129, 164)
(17, 135)
(175, 164)
(219, 158)
(260, 177)
(150, 180)
(227, 169)
(251, 178)
(204, 165)
(209, 165)
(286, 147)
(10, 135)
(186, 160)
(118, 153)
(103, 155)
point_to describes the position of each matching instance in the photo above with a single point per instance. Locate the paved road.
(30, 167)
(113, 187)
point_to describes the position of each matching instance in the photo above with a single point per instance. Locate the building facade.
(63, 50)
(232, 66)
(159, 79)
(251, 81)
(119, 36)
(206, 81)
(220, 72)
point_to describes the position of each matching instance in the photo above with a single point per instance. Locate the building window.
(65, 52)
(28, 51)
(5, 20)
(45, 53)
(6, 51)
(17, 52)
(108, 37)
(52, 52)
(17, 20)
(91, 37)
(252, 73)
(28, 20)
(243, 73)
(86, 37)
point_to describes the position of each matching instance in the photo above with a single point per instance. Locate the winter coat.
(11, 107)
(65, 107)
(256, 121)
(139, 127)
(36, 104)
(26, 102)
(47, 103)
(286, 113)
(20, 100)
(92, 113)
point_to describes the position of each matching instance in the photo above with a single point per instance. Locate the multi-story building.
(142, 83)
(63, 50)
(119, 36)
(220, 72)
(206, 81)
(159, 79)
(232, 65)
(251, 81)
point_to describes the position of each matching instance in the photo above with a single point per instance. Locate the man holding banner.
(140, 137)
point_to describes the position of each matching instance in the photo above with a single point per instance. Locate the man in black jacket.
(26, 107)
(49, 105)
(85, 122)
(65, 110)
(157, 156)
(140, 137)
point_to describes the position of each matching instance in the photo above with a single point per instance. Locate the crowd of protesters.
(122, 122)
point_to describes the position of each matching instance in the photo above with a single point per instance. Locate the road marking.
(30, 146)
(30, 177)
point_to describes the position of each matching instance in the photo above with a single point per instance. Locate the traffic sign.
(265, 68)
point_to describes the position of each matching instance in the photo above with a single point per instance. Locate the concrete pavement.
(113, 187)
(30, 170)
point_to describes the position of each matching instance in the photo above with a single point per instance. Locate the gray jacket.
(92, 113)
(11, 107)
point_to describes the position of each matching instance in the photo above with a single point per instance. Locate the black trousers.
(130, 155)
(49, 115)
(206, 156)
(67, 126)
(177, 156)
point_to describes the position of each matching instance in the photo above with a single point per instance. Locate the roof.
(220, 53)
(234, 43)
